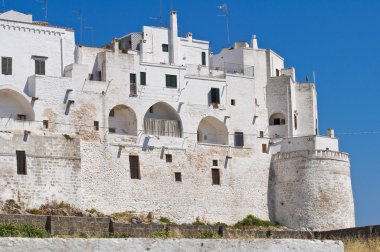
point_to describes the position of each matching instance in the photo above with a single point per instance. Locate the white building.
(153, 122)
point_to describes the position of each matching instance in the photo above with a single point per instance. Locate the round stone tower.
(311, 190)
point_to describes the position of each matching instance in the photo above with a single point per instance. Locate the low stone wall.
(136, 244)
(104, 226)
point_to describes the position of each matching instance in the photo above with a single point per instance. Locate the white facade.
(216, 123)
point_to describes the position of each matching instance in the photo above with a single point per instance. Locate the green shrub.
(117, 235)
(30, 231)
(160, 234)
(251, 220)
(165, 220)
(207, 235)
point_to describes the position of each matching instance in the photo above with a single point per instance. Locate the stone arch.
(161, 119)
(122, 120)
(277, 119)
(14, 104)
(211, 130)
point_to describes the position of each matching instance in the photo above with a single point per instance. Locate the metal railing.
(220, 71)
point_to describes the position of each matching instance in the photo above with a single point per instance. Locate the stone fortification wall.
(52, 169)
(311, 190)
(108, 187)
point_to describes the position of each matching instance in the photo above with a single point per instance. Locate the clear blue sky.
(339, 40)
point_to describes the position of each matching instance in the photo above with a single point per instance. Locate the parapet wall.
(311, 190)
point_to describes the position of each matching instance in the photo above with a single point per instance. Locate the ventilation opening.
(178, 177)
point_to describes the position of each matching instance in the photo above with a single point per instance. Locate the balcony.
(219, 71)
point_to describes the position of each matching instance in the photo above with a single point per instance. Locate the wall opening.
(134, 166)
(15, 105)
(211, 130)
(277, 119)
(215, 176)
(162, 120)
(122, 120)
(21, 162)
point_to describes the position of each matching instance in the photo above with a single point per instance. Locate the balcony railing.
(133, 90)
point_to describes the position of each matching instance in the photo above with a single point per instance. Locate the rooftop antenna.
(80, 17)
(92, 33)
(224, 8)
(44, 8)
(160, 22)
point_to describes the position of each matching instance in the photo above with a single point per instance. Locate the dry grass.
(362, 245)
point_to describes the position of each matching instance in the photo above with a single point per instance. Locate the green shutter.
(203, 58)
(142, 78)
(171, 81)
(3, 65)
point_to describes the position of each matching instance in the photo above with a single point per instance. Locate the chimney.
(189, 36)
(331, 133)
(254, 44)
(173, 39)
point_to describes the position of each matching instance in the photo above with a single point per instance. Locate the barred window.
(6, 65)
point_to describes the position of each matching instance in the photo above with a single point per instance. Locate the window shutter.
(3, 65)
(215, 176)
(143, 78)
(134, 167)
(239, 139)
(203, 58)
(171, 81)
(215, 96)
(21, 162)
(9, 66)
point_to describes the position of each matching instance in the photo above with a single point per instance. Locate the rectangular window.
(178, 176)
(171, 81)
(132, 78)
(45, 124)
(165, 47)
(134, 166)
(239, 139)
(6, 65)
(261, 134)
(39, 66)
(215, 176)
(21, 162)
(96, 125)
(276, 121)
(90, 76)
(203, 58)
(143, 78)
(21, 117)
(233, 102)
(169, 158)
(264, 148)
(215, 96)
(214, 162)
(111, 130)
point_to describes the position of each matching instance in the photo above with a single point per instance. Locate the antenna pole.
(224, 8)
(45, 8)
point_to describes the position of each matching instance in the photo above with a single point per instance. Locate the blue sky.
(339, 40)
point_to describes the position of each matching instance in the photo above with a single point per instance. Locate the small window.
(239, 139)
(295, 121)
(215, 96)
(45, 124)
(178, 177)
(171, 81)
(112, 113)
(233, 102)
(132, 78)
(165, 47)
(134, 166)
(39, 66)
(203, 58)
(168, 158)
(264, 148)
(111, 130)
(143, 78)
(6, 65)
(96, 125)
(21, 162)
(214, 162)
(215, 176)
(261, 134)
(91, 76)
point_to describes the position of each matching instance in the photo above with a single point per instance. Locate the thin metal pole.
(224, 8)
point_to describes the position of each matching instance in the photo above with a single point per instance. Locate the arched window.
(211, 130)
(277, 119)
(122, 120)
(15, 105)
(161, 119)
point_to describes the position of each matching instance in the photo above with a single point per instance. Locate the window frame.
(239, 139)
(165, 47)
(143, 78)
(6, 67)
(134, 168)
(21, 162)
(215, 176)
